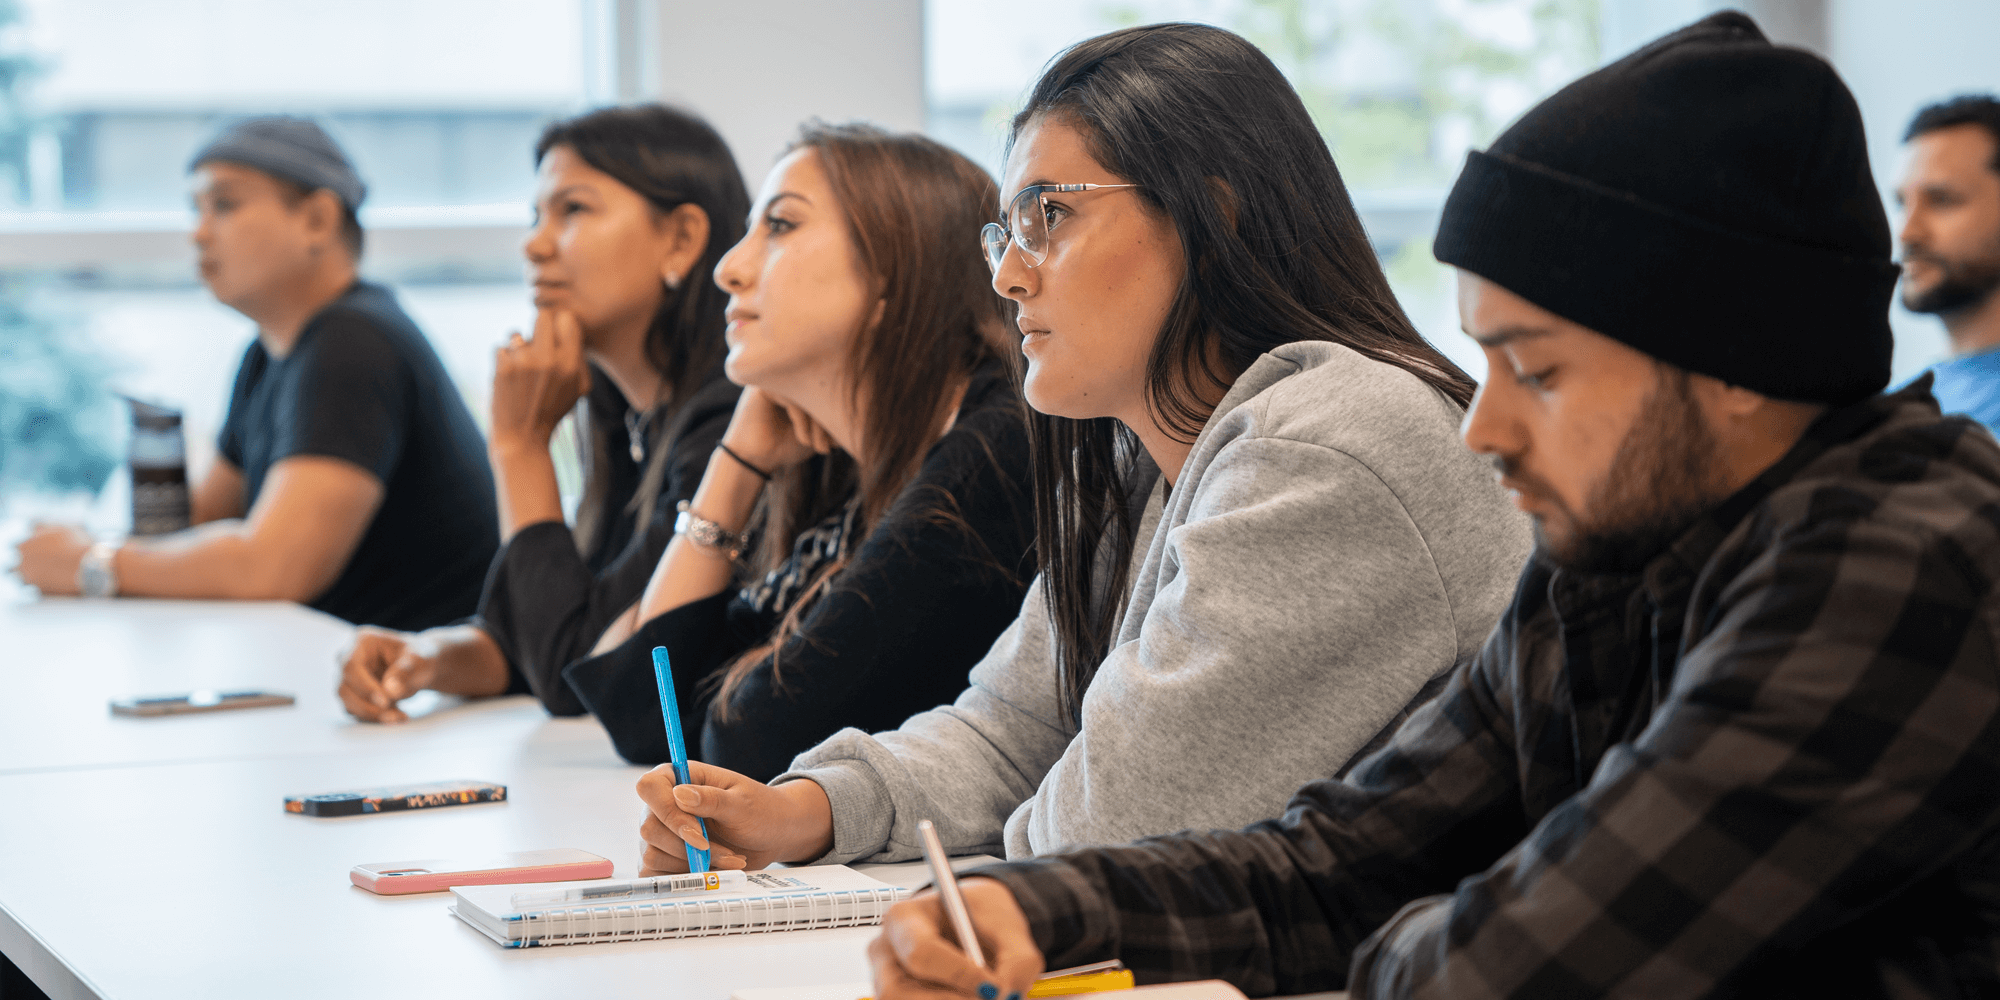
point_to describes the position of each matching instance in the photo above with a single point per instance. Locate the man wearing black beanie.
(1739, 733)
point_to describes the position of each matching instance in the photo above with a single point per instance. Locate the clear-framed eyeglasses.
(1028, 223)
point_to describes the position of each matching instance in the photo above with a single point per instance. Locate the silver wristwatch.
(706, 534)
(95, 574)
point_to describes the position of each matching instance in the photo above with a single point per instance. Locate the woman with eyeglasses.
(1259, 539)
(862, 532)
(633, 207)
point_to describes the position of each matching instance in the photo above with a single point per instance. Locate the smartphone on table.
(196, 701)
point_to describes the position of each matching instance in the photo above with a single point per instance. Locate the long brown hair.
(671, 158)
(1219, 144)
(913, 209)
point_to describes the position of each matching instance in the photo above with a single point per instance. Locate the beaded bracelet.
(705, 534)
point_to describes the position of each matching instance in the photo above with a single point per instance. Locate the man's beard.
(1667, 474)
(1963, 284)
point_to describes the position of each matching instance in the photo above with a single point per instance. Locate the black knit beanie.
(1706, 200)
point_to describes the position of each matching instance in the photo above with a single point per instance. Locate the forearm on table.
(217, 496)
(988, 751)
(686, 573)
(1854, 829)
(940, 765)
(221, 559)
(525, 476)
(1276, 908)
(469, 661)
(1233, 906)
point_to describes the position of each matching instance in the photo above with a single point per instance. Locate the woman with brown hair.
(872, 478)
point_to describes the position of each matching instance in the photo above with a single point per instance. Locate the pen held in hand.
(947, 887)
(697, 857)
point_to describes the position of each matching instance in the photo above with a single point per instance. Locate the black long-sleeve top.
(895, 632)
(546, 603)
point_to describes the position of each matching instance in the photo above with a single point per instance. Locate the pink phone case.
(438, 874)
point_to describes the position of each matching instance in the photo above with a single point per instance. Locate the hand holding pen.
(922, 949)
(750, 824)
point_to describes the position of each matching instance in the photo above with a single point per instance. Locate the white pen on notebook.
(947, 887)
(664, 885)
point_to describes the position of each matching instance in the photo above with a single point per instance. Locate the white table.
(146, 858)
(153, 858)
(64, 660)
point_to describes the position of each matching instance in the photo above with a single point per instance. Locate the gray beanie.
(295, 149)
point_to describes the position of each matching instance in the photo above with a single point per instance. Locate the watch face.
(93, 576)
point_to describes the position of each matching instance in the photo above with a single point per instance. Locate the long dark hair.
(1220, 144)
(671, 158)
(911, 206)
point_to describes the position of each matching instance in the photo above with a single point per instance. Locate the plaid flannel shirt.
(1768, 764)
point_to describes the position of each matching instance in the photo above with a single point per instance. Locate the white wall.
(1898, 57)
(260, 55)
(757, 68)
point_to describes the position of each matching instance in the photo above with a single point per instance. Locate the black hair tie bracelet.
(744, 462)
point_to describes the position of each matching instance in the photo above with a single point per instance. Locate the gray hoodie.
(1328, 548)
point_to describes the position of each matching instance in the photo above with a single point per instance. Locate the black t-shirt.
(362, 385)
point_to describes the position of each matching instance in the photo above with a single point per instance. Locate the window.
(438, 103)
(1400, 88)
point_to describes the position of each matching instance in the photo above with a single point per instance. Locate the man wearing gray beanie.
(1739, 733)
(349, 474)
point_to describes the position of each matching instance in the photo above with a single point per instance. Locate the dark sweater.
(895, 632)
(546, 603)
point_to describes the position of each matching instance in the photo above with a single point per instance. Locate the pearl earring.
(673, 282)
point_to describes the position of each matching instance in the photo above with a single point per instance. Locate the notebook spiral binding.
(705, 917)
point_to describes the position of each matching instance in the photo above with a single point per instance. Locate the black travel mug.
(159, 470)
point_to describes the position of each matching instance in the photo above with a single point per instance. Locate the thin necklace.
(635, 427)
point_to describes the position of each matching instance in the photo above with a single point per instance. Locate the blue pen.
(677, 745)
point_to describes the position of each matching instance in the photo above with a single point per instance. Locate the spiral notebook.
(778, 899)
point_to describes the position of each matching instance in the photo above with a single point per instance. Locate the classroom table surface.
(64, 660)
(144, 858)
(152, 857)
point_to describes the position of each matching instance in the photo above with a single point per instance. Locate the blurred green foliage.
(58, 419)
(1393, 138)
(1399, 87)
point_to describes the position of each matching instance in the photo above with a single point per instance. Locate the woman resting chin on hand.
(633, 208)
(862, 533)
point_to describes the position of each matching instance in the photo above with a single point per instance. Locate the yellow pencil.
(1088, 982)
(1102, 977)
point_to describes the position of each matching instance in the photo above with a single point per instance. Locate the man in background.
(1950, 196)
(349, 474)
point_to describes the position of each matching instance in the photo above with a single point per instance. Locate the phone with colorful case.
(395, 878)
